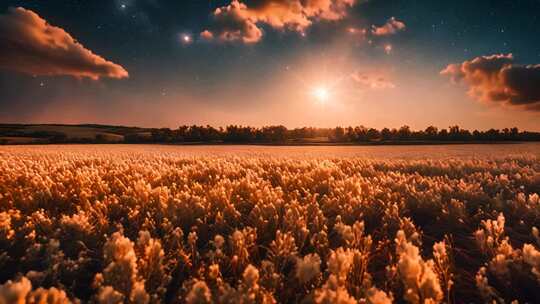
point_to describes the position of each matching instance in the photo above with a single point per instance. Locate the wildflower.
(308, 267)
(531, 256)
(199, 294)
(442, 265)
(486, 291)
(251, 276)
(213, 271)
(339, 262)
(219, 241)
(122, 272)
(536, 235)
(376, 296)
(491, 234)
(418, 276)
(6, 231)
(49, 296)
(333, 293)
(15, 292)
(107, 295)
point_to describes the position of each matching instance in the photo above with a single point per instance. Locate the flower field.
(152, 224)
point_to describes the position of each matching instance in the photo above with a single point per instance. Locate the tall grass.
(113, 226)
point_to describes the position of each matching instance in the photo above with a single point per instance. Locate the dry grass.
(161, 224)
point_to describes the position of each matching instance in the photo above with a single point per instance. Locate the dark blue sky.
(174, 82)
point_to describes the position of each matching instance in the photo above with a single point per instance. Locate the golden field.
(245, 224)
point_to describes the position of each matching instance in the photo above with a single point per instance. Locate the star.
(185, 38)
(123, 6)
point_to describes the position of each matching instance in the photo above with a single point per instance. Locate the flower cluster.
(146, 224)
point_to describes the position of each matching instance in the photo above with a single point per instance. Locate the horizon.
(155, 64)
(439, 128)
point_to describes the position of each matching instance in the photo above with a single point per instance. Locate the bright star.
(186, 39)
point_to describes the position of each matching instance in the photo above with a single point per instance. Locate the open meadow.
(251, 224)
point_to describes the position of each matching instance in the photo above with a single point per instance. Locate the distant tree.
(386, 134)
(338, 134)
(443, 134)
(514, 133)
(350, 134)
(431, 132)
(361, 133)
(477, 135)
(163, 135)
(271, 134)
(492, 135)
(373, 134)
(404, 133)
(239, 134)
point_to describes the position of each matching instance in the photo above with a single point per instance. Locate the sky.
(322, 63)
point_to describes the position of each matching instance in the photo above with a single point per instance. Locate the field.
(32, 134)
(247, 224)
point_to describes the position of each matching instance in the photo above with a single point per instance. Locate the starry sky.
(323, 63)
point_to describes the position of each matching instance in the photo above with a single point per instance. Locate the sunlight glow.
(321, 94)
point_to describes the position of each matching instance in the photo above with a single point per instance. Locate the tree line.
(237, 134)
(360, 134)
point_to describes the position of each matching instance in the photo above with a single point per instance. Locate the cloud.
(239, 21)
(496, 80)
(33, 46)
(207, 35)
(234, 23)
(372, 81)
(391, 27)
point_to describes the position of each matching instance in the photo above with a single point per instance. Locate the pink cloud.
(239, 21)
(391, 27)
(33, 46)
(496, 80)
(207, 35)
(374, 81)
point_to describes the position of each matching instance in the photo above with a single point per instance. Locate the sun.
(321, 94)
